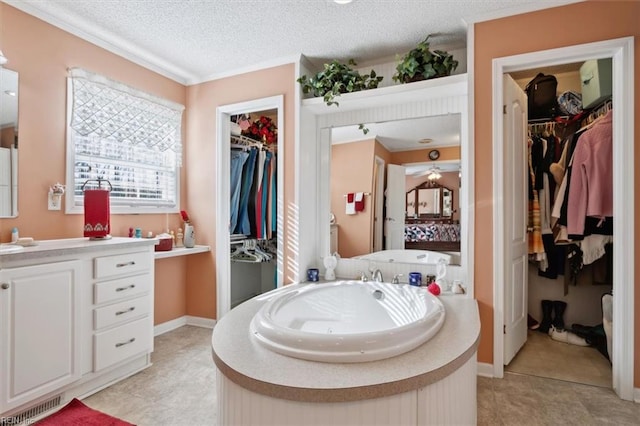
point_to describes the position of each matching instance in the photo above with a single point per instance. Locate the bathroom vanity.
(75, 316)
(434, 383)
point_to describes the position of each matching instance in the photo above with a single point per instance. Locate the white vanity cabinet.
(75, 316)
(40, 333)
(122, 307)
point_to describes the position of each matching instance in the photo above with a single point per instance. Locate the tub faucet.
(377, 276)
(396, 279)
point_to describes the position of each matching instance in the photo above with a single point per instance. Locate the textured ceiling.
(197, 40)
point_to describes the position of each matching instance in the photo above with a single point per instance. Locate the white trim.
(485, 370)
(176, 323)
(621, 50)
(271, 63)
(223, 171)
(105, 39)
(636, 395)
(167, 326)
(201, 322)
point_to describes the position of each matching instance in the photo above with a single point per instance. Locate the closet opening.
(249, 243)
(510, 188)
(569, 274)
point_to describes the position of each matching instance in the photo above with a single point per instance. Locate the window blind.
(126, 136)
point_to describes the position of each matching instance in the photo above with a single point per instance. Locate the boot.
(547, 307)
(558, 308)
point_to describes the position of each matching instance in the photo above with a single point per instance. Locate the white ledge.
(181, 251)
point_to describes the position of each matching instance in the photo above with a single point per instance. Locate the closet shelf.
(181, 251)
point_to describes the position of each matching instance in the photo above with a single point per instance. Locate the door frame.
(378, 211)
(621, 50)
(223, 202)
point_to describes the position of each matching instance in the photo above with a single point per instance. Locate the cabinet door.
(39, 330)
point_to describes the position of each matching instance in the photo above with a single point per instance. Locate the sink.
(10, 248)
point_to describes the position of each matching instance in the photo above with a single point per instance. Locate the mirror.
(8, 143)
(404, 206)
(432, 200)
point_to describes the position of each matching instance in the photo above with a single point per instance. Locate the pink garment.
(591, 185)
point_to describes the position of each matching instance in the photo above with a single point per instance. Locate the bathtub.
(348, 321)
(406, 256)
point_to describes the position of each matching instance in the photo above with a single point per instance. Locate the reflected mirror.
(8, 143)
(388, 193)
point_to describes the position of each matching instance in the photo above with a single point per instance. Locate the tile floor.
(179, 390)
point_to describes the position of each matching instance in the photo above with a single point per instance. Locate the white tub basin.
(406, 256)
(348, 321)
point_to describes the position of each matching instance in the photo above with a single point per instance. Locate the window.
(126, 137)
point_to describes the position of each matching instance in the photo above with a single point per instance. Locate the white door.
(395, 206)
(378, 201)
(515, 169)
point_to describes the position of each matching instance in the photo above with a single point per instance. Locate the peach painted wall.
(41, 54)
(573, 24)
(200, 159)
(422, 155)
(352, 171)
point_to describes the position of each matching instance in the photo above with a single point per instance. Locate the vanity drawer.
(120, 343)
(130, 263)
(121, 312)
(108, 291)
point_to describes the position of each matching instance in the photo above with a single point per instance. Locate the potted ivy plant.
(421, 63)
(337, 78)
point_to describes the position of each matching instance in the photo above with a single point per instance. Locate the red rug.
(75, 413)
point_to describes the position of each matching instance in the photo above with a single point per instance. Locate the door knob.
(4, 286)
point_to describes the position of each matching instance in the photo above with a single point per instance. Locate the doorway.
(223, 193)
(620, 50)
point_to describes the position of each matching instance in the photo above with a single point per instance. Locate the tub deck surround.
(246, 362)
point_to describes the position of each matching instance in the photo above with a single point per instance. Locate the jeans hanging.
(238, 158)
(243, 226)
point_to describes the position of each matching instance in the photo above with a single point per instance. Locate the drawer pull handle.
(122, 265)
(133, 339)
(131, 309)
(126, 288)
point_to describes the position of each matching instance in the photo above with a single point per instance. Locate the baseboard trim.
(636, 395)
(201, 322)
(182, 321)
(485, 370)
(169, 325)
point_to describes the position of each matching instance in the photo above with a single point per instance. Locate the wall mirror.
(436, 99)
(8, 143)
(388, 194)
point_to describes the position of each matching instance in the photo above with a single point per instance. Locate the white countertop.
(249, 364)
(66, 246)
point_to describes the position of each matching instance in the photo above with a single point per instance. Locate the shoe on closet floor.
(532, 324)
(565, 336)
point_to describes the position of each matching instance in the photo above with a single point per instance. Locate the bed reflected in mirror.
(409, 201)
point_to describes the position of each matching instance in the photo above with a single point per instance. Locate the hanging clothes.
(238, 159)
(591, 190)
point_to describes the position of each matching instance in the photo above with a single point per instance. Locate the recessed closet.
(253, 222)
(570, 187)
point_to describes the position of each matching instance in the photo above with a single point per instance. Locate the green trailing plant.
(337, 78)
(421, 63)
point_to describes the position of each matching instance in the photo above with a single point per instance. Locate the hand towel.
(96, 213)
(359, 201)
(351, 205)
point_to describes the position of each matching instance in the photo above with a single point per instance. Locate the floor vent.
(26, 415)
